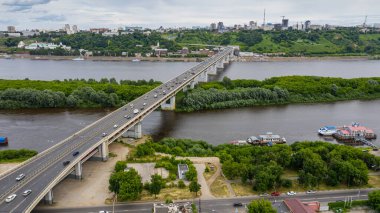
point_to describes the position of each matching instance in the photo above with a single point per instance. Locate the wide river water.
(39, 129)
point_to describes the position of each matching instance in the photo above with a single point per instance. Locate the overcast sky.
(53, 14)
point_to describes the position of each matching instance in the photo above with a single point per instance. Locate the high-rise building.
(212, 26)
(307, 25)
(252, 25)
(220, 27)
(11, 29)
(285, 23)
(75, 28)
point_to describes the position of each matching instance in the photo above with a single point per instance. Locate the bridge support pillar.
(169, 104)
(192, 84)
(78, 171)
(49, 197)
(185, 88)
(104, 151)
(212, 70)
(134, 132)
(138, 131)
(203, 77)
(220, 64)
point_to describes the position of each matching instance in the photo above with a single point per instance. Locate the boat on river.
(78, 59)
(354, 132)
(3, 141)
(266, 139)
(327, 130)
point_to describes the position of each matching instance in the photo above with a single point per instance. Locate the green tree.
(120, 166)
(191, 174)
(374, 200)
(260, 206)
(181, 184)
(127, 185)
(194, 186)
(156, 184)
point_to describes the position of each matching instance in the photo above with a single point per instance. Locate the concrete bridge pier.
(78, 171)
(134, 132)
(203, 77)
(192, 84)
(49, 197)
(103, 150)
(212, 70)
(169, 104)
(220, 64)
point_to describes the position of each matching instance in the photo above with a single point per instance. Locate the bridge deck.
(45, 170)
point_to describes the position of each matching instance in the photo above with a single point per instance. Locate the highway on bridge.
(46, 169)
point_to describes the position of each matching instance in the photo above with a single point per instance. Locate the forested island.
(18, 94)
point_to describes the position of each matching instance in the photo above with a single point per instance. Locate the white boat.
(136, 60)
(78, 59)
(327, 130)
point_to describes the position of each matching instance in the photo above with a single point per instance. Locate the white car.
(291, 193)
(20, 177)
(27, 192)
(310, 192)
(115, 126)
(104, 134)
(135, 111)
(10, 198)
(144, 104)
(155, 95)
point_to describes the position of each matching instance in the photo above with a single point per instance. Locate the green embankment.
(11, 156)
(277, 90)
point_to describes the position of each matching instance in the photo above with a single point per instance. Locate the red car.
(275, 194)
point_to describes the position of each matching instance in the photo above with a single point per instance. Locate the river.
(40, 129)
(163, 71)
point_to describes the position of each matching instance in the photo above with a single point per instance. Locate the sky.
(53, 14)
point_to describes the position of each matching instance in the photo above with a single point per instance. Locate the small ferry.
(3, 141)
(327, 130)
(78, 59)
(354, 132)
(266, 139)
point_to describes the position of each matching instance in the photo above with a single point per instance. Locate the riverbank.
(164, 59)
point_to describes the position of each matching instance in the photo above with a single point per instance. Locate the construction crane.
(365, 22)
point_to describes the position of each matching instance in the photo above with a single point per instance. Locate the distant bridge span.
(46, 170)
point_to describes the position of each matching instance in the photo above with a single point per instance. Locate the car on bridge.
(27, 192)
(104, 134)
(10, 198)
(155, 95)
(135, 111)
(20, 177)
(115, 126)
(76, 153)
(65, 163)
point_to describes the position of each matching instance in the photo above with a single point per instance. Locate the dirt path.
(205, 189)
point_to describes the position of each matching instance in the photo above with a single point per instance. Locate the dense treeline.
(16, 155)
(278, 90)
(16, 94)
(341, 41)
(262, 166)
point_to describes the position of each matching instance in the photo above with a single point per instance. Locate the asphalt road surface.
(220, 205)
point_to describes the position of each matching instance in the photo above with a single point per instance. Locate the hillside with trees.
(340, 42)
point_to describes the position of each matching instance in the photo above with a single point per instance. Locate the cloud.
(52, 18)
(22, 5)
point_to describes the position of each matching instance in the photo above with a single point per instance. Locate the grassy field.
(209, 174)
(173, 193)
(219, 188)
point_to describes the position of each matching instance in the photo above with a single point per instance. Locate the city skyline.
(53, 14)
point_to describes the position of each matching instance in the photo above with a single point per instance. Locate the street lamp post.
(113, 203)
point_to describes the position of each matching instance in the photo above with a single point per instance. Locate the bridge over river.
(47, 169)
